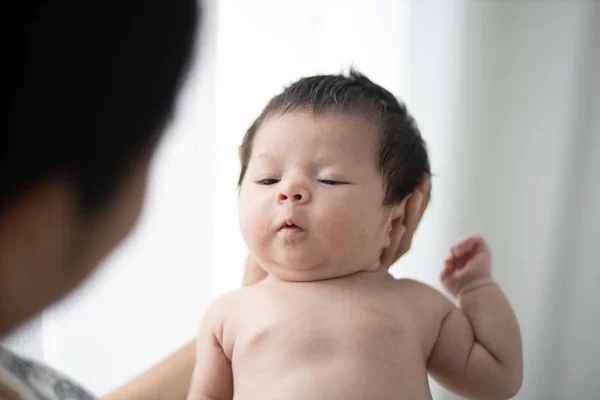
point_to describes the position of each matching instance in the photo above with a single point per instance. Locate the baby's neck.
(381, 272)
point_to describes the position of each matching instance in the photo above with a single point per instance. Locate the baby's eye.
(331, 182)
(267, 181)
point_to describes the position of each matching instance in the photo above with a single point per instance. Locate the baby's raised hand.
(468, 265)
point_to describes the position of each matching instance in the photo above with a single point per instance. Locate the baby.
(327, 169)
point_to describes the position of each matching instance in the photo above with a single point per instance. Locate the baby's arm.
(478, 353)
(212, 378)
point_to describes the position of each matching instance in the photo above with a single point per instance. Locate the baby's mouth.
(290, 226)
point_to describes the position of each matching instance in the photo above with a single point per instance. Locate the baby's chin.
(302, 273)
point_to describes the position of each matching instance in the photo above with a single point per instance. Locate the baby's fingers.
(448, 268)
(462, 247)
(469, 245)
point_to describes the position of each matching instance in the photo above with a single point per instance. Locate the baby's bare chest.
(310, 324)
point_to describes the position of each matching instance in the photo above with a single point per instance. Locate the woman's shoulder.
(30, 380)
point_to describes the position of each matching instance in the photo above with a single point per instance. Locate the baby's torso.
(349, 339)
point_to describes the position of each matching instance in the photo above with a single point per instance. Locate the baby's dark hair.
(402, 155)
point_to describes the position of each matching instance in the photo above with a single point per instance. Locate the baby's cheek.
(251, 226)
(256, 224)
(360, 230)
(346, 231)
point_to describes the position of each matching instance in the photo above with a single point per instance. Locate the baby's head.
(326, 168)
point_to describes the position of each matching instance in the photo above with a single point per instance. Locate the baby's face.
(311, 200)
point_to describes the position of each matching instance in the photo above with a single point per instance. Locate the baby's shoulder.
(415, 287)
(233, 300)
(427, 307)
(424, 297)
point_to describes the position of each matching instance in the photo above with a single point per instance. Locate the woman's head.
(91, 87)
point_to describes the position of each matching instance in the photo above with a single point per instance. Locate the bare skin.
(366, 335)
(329, 322)
(172, 376)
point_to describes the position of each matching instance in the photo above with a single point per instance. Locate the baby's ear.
(407, 214)
(395, 230)
(399, 209)
(395, 221)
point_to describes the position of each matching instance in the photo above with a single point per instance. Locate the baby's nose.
(293, 192)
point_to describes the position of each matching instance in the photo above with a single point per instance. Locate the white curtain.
(520, 151)
(507, 96)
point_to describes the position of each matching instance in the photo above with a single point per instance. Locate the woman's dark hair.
(90, 84)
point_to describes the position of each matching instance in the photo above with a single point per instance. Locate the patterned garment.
(34, 381)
